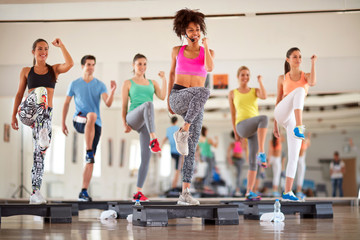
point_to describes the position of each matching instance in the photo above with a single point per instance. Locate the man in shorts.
(87, 92)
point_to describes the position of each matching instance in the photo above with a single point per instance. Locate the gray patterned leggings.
(189, 103)
(141, 119)
(35, 113)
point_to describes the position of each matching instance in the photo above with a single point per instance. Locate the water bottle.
(277, 211)
(137, 202)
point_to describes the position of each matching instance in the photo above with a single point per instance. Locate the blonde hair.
(242, 68)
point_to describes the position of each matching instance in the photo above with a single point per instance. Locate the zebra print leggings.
(35, 113)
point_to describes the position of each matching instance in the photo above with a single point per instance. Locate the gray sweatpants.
(141, 119)
(189, 103)
(248, 129)
(238, 163)
(209, 171)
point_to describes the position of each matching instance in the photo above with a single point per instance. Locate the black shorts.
(80, 128)
(176, 157)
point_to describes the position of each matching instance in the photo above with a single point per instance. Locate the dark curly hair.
(184, 17)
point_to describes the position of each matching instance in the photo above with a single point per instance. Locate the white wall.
(259, 42)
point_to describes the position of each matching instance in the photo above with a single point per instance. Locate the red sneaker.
(155, 146)
(140, 196)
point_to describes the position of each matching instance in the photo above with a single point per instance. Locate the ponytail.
(274, 141)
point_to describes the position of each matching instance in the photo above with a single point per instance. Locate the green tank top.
(140, 94)
(205, 148)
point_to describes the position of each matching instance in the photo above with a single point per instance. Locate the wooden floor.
(344, 225)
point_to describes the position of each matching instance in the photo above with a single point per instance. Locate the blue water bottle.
(137, 202)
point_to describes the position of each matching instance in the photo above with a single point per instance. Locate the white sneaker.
(181, 141)
(237, 194)
(185, 198)
(37, 198)
(44, 140)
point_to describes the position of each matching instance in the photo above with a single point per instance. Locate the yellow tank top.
(245, 104)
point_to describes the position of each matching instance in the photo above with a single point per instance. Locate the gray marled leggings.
(189, 103)
(141, 119)
(248, 129)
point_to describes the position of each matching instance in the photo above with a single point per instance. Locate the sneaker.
(84, 196)
(37, 198)
(237, 194)
(140, 196)
(89, 158)
(185, 198)
(181, 141)
(44, 140)
(290, 196)
(154, 146)
(300, 195)
(299, 132)
(276, 194)
(251, 196)
(261, 158)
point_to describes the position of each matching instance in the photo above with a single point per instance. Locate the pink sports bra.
(191, 66)
(237, 147)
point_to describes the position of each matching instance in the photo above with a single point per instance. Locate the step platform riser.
(254, 210)
(52, 213)
(155, 216)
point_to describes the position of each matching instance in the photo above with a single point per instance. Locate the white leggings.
(285, 116)
(301, 170)
(276, 167)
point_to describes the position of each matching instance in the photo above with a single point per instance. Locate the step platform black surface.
(52, 213)
(124, 208)
(81, 205)
(314, 209)
(158, 216)
(240, 203)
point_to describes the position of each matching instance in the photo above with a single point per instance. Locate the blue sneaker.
(300, 195)
(90, 157)
(251, 196)
(261, 158)
(289, 197)
(299, 132)
(84, 196)
(276, 194)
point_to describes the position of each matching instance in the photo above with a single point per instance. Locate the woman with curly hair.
(187, 94)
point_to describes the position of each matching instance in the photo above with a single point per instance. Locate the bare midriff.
(189, 80)
(237, 155)
(276, 152)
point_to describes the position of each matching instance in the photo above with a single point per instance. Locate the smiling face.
(41, 51)
(89, 66)
(244, 77)
(295, 59)
(193, 31)
(140, 66)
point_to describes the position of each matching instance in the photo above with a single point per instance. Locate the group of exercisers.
(185, 94)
